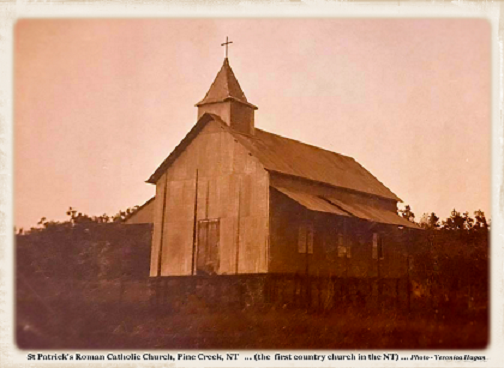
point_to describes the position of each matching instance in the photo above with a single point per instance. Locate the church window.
(377, 246)
(341, 247)
(310, 239)
(305, 239)
(302, 239)
(344, 250)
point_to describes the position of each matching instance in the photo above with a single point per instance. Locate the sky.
(100, 103)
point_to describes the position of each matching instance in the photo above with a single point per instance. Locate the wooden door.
(208, 247)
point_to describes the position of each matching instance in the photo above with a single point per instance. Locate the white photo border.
(11, 11)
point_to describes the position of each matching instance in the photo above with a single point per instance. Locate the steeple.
(226, 99)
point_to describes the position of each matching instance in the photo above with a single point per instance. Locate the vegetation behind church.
(86, 267)
(96, 247)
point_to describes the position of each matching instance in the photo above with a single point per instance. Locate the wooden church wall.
(285, 219)
(232, 186)
(294, 250)
(288, 223)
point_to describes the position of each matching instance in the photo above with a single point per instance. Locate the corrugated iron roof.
(370, 213)
(345, 207)
(291, 157)
(312, 202)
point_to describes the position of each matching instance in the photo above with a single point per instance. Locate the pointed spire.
(225, 87)
(226, 99)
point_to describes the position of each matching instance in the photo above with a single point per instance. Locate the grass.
(79, 325)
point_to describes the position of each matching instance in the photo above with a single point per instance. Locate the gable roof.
(225, 87)
(290, 157)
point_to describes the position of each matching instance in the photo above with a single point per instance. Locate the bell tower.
(226, 99)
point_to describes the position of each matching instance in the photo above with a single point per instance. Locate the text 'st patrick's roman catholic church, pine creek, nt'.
(234, 199)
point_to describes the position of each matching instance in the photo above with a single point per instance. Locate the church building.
(234, 199)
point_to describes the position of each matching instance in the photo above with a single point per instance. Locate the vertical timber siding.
(159, 205)
(287, 217)
(232, 186)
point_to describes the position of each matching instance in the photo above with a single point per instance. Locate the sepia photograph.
(252, 183)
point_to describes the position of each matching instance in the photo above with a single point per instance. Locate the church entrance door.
(208, 247)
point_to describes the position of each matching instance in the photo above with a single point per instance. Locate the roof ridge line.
(334, 153)
(306, 144)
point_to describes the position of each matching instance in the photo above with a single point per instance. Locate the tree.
(407, 213)
(76, 217)
(454, 222)
(429, 221)
(481, 222)
(468, 221)
(123, 215)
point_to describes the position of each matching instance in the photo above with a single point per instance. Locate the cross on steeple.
(226, 43)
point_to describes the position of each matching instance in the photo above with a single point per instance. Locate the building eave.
(229, 98)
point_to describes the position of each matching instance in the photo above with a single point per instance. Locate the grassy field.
(108, 326)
